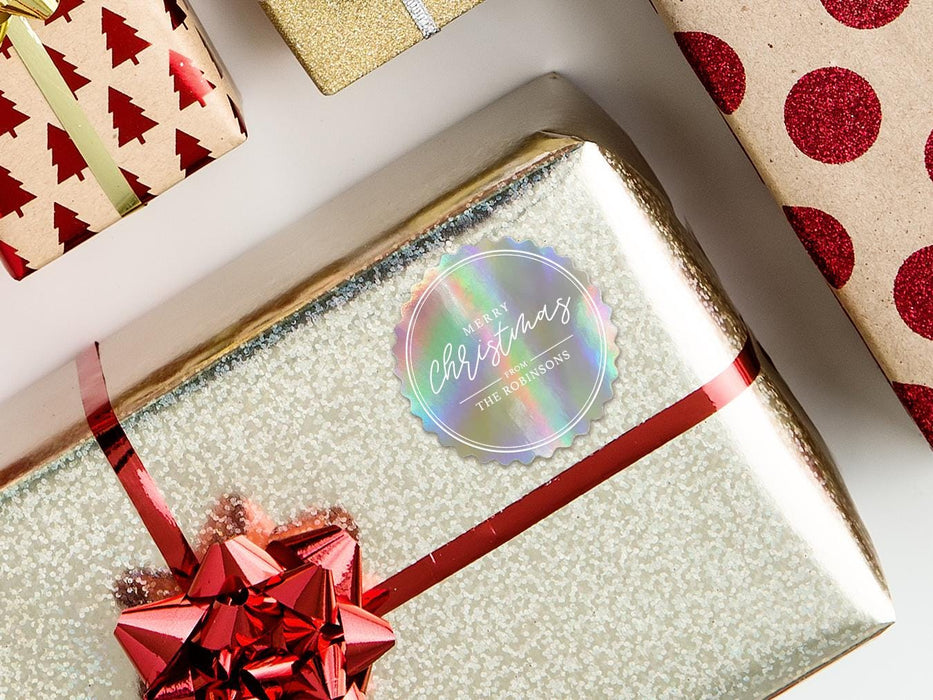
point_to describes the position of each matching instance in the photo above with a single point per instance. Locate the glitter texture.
(918, 400)
(913, 292)
(827, 242)
(865, 14)
(833, 115)
(445, 11)
(232, 516)
(718, 67)
(727, 564)
(339, 42)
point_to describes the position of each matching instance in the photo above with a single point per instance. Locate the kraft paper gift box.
(103, 106)
(506, 368)
(339, 42)
(831, 101)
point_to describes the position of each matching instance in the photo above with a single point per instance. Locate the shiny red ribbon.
(251, 623)
(291, 620)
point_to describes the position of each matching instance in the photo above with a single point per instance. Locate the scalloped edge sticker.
(506, 351)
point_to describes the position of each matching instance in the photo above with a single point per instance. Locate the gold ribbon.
(13, 23)
(33, 9)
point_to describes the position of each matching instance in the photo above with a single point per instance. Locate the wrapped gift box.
(339, 42)
(149, 93)
(726, 561)
(831, 101)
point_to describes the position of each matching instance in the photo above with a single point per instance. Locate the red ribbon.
(569, 485)
(285, 621)
(291, 620)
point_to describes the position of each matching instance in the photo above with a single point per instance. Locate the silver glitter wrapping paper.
(727, 564)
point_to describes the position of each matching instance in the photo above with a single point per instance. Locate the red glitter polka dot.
(833, 115)
(718, 67)
(827, 242)
(913, 292)
(918, 400)
(865, 14)
(929, 155)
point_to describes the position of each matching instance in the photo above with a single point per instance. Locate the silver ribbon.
(422, 17)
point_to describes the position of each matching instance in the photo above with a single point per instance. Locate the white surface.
(304, 148)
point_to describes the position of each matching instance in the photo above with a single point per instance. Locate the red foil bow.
(265, 624)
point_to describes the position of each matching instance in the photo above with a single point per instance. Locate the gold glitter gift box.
(727, 562)
(339, 42)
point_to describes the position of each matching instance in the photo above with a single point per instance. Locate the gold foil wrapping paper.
(729, 563)
(339, 42)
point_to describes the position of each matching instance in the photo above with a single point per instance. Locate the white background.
(304, 148)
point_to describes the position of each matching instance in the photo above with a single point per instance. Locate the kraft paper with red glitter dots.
(913, 292)
(831, 99)
(827, 242)
(865, 14)
(833, 115)
(717, 66)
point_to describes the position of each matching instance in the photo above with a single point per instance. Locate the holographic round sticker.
(506, 351)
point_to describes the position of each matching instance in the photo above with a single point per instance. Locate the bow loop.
(261, 622)
(31, 9)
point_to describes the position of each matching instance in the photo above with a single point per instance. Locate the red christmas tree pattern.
(65, 154)
(175, 13)
(237, 115)
(128, 118)
(12, 195)
(71, 230)
(6, 46)
(14, 263)
(10, 117)
(141, 190)
(64, 10)
(69, 71)
(192, 154)
(190, 83)
(122, 40)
